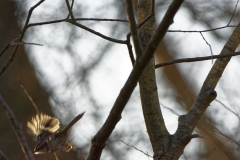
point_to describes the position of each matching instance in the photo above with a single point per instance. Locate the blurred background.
(75, 70)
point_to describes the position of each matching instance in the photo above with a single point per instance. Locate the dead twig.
(207, 44)
(129, 145)
(2, 156)
(30, 98)
(18, 130)
(195, 59)
(21, 37)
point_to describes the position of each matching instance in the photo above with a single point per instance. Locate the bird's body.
(48, 133)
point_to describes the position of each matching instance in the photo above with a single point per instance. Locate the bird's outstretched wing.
(43, 124)
(69, 126)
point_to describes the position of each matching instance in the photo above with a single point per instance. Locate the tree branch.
(134, 28)
(96, 33)
(21, 36)
(233, 13)
(101, 19)
(10, 43)
(2, 156)
(70, 10)
(18, 130)
(207, 94)
(98, 141)
(129, 46)
(155, 125)
(206, 30)
(129, 145)
(195, 59)
(207, 44)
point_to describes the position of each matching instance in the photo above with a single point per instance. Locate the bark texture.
(188, 122)
(154, 121)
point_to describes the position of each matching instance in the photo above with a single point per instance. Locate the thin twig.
(233, 13)
(207, 30)
(28, 43)
(207, 44)
(129, 145)
(72, 4)
(146, 19)
(228, 108)
(55, 154)
(129, 46)
(2, 156)
(228, 138)
(213, 29)
(70, 10)
(149, 16)
(30, 98)
(17, 129)
(96, 33)
(21, 37)
(9, 44)
(139, 25)
(134, 28)
(101, 19)
(46, 23)
(195, 59)
(80, 26)
(184, 155)
(170, 109)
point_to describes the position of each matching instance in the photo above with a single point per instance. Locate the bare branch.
(228, 108)
(227, 137)
(28, 43)
(233, 13)
(80, 26)
(146, 19)
(170, 109)
(96, 33)
(129, 46)
(139, 25)
(2, 156)
(98, 141)
(9, 44)
(195, 59)
(207, 94)
(21, 37)
(134, 28)
(135, 148)
(30, 98)
(101, 19)
(149, 16)
(207, 30)
(18, 130)
(70, 10)
(196, 136)
(55, 155)
(207, 44)
(213, 29)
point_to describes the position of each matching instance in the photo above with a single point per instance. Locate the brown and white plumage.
(48, 132)
(43, 124)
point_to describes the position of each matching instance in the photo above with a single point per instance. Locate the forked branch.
(99, 140)
(207, 94)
